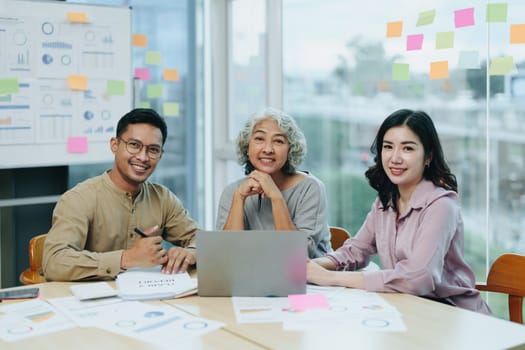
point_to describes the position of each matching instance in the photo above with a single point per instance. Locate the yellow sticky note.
(517, 34)
(400, 71)
(501, 65)
(394, 29)
(170, 109)
(153, 57)
(155, 91)
(444, 40)
(140, 40)
(116, 87)
(9, 86)
(77, 82)
(171, 74)
(439, 70)
(77, 17)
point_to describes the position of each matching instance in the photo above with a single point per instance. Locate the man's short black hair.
(142, 115)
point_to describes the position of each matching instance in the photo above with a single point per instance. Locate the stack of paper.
(150, 283)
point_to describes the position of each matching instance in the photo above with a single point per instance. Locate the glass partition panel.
(348, 66)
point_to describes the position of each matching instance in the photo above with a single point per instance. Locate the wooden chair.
(33, 274)
(507, 275)
(338, 236)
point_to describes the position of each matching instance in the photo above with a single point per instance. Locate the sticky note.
(497, 13)
(116, 88)
(400, 71)
(9, 85)
(170, 109)
(142, 73)
(444, 40)
(414, 42)
(77, 17)
(439, 70)
(77, 82)
(426, 18)
(394, 29)
(144, 104)
(301, 302)
(501, 65)
(155, 91)
(171, 74)
(464, 17)
(153, 57)
(468, 60)
(140, 40)
(517, 34)
(77, 144)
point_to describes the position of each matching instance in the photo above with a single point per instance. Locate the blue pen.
(140, 232)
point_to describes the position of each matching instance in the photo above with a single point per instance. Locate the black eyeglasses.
(135, 146)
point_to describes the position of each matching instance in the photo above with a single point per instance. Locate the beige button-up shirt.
(93, 224)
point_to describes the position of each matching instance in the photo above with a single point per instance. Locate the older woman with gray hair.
(275, 195)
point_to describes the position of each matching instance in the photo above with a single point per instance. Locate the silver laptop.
(251, 263)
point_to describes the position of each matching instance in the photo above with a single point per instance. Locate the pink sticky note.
(414, 42)
(464, 17)
(77, 144)
(142, 73)
(300, 302)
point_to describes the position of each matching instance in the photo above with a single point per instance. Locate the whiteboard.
(65, 81)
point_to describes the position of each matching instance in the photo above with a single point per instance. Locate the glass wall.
(168, 78)
(347, 66)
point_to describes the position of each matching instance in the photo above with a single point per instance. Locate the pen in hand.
(140, 232)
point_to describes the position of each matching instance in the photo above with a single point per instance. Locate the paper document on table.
(352, 309)
(95, 290)
(30, 318)
(150, 283)
(85, 313)
(160, 324)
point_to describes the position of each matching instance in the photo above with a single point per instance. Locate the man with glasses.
(119, 220)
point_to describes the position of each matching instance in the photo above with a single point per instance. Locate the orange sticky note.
(77, 17)
(394, 29)
(77, 82)
(517, 34)
(140, 40)
(439, 70)
(77, 144)
(171, 74)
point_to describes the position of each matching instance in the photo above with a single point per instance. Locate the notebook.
(150, 283)
(251, 263)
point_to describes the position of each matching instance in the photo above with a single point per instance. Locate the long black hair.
(437, 170)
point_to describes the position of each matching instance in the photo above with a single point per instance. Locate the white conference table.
(430, 325)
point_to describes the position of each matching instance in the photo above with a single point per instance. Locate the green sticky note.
(116, 87)
(144, 104)
(170, 109)
(426, 18)
(155, 91)
(153, 57)
(501, 65)
(444, 40)
(497, 13)
(8, 86)
(400, 71)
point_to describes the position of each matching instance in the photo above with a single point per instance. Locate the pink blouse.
(421, 252)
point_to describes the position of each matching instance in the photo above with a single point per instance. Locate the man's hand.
(147, 251)
(179, 259)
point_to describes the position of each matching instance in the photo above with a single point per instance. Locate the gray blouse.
(306, 202)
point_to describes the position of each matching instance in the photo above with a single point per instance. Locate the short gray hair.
(288, 126)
